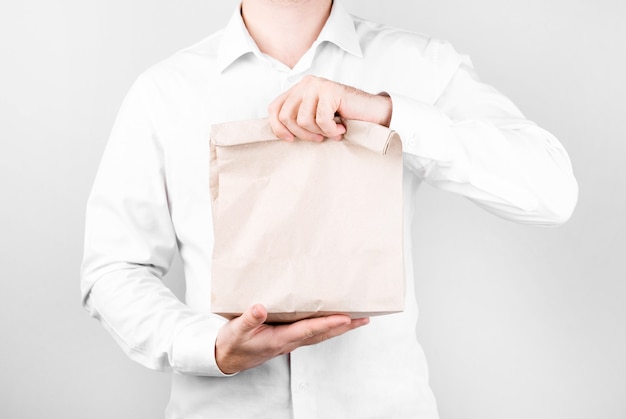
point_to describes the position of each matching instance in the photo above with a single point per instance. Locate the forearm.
(129, 245)
(475, 142)
(151, 325)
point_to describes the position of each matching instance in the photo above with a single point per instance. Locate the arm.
(475, 142)
(129, 246)
(472, 141)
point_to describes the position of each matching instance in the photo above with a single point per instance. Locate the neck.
(285, 29)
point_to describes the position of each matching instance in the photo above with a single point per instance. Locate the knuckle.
(281, 133)
(328, 85)
(309, 333)
(303, 119)
(284, 118)
(246, 325)
(284, 350)
(322, 338)
(278, 127)
(322, 120)
(277, 348)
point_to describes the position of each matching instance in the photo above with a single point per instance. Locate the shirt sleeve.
(129, 246)
(475, 142)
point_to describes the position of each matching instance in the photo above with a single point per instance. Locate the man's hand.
(246, 342)
(308, 109)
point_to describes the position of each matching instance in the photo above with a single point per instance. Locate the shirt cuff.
(193, 350)
(425, 131)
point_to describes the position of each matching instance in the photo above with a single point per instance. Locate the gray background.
(517, 322)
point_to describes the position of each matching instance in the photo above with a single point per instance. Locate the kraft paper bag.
(306, 229)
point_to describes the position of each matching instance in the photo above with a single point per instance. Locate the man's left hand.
(307, 110)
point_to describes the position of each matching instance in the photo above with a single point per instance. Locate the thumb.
(253, 318)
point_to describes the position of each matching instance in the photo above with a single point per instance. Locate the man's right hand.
(246, 341)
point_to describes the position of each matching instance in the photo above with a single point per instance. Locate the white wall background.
(517, 322)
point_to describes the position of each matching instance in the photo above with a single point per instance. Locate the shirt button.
(302, 387)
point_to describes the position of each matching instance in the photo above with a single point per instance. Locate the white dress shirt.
(151, 196)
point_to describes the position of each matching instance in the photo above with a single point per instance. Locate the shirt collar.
(340, 30)
(236, 41)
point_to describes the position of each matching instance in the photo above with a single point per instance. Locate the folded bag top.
(306, 229)
(371, 136)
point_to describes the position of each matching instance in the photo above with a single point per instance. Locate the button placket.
(303, 399)
(288, 80)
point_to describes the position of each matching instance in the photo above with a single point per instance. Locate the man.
(298, 62)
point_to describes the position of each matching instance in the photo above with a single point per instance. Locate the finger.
(252, 318)
(325, 119)
(307, 111)
(300, 331)
(334, 332)
(288, 116)
(278, 127)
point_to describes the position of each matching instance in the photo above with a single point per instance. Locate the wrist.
(386, 108)
(363, 106)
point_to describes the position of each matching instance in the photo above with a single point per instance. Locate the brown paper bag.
(306, 229)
